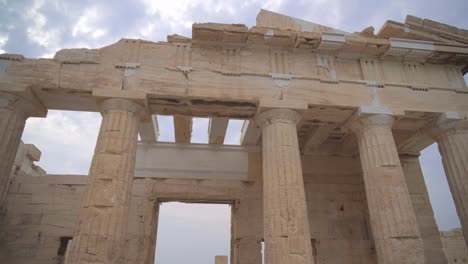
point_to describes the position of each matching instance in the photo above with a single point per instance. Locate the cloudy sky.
(39, 28)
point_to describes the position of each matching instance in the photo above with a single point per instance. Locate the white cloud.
(272, 5)
(66, 139)
(36, 29)
(88, 23)
(178, 14)
(3, 41)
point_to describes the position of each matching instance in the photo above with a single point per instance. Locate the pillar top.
(129, 105)
(448, 123)
(278, 115)
(360, 122)
(27, 104)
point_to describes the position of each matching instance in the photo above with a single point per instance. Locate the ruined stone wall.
(336, 206)
(41, 212)
(38, 217)
(337, 209)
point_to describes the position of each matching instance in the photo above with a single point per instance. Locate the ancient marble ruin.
(327, 170)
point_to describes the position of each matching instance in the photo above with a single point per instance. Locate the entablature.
(225, 71)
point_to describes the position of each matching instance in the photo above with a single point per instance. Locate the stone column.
(422, 208)
(452, 138)
(14, 110)
(286, 225)
(100, 233)
(394, 225)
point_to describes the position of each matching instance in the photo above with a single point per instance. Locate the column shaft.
(101, 230)
(14, 111)
(286, 225)
(453, 146)
(422, 207)
(11, 129)
(392, 217)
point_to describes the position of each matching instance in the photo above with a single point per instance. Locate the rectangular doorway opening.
(193, 232)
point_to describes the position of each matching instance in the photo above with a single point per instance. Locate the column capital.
(129, 105)
(446, 124)
(279, 115)
(27, 105)
(370, 120)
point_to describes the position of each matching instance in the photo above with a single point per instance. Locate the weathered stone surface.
(394, 224)
(221, 260)
(335, 195)
(423, 210)
(305, 194)
(451, 135)
(14, 110)
(454, 246)
(100, 234)
(285, 221)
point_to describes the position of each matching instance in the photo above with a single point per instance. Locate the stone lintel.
(268, 104)
(374, 110)
(134, 95)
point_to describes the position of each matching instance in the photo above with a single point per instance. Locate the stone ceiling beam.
(182, 128)
(149, 130)
(415, 144)
(250, 133)
(217, 129)
(319, 136)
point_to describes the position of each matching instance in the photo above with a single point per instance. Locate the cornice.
(353, 45)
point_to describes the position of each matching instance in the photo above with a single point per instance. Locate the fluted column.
(392, 217)
(14, 110)
(100, 234)
(286, 225)
(452, 139)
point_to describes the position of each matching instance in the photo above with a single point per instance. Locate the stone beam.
(182, 128)
(200, 161)
(319, 136)
(415, 144)
(149, 130)
(217, 129)
(250, 133)
(67, 83)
